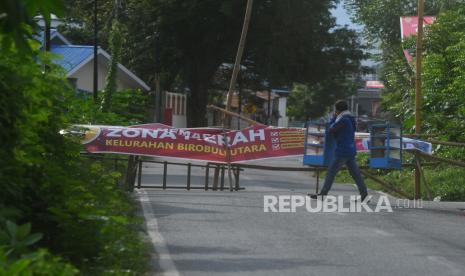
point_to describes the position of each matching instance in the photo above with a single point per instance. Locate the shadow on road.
(247, 264)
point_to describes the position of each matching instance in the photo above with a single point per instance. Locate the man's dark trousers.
(354, 171)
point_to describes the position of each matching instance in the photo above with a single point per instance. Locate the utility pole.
(158, 93)
(232, 84)
(47, 34)
(418, 94)
(237, 63)
(95, 90)
(419, 51)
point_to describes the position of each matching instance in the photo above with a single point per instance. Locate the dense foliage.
(76, 204)
(60, 213)
(312, 101)
(443, 76)
(16, 19)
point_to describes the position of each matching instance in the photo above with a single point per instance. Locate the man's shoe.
(315, 196)
(362, 197)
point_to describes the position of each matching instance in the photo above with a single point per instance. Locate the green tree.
(443, 76)
(299, 41)
(194, 38)
(16, 20)
(288, 41)
(305, 46)
(79, 21)
(186, 42)
(116, 44)
(309, 101)
(380, 18)
(303, 103)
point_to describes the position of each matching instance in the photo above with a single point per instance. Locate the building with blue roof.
(71, 56)
(77, 61)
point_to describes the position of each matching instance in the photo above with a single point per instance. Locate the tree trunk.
(200, 74)
(201, 69)
(197, 103)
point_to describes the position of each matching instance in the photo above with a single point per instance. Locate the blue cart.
(385, 146)
(319, 145)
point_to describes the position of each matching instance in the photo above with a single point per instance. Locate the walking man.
(343, 126)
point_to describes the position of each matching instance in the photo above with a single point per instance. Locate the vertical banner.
(409, 27)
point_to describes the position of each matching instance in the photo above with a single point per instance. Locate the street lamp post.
(95, 88)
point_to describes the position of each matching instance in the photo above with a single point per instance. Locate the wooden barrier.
(440, 159)
(385, 184)
(232, 114)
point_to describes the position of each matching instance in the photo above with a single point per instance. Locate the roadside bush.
(15, 258)
(83, 214)
(39, 262)
(129, 107)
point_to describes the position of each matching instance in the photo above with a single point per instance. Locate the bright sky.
(343, 18)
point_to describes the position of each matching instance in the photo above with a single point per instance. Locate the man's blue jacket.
(343, 128)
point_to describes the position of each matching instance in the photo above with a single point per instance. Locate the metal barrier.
(219, 172)
(134, 172)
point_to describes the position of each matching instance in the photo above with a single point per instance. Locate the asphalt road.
(228, 233)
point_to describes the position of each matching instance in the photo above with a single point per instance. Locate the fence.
(418, 156)
(134, 173)
(218, 178)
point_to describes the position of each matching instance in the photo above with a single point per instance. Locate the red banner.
(209, 144)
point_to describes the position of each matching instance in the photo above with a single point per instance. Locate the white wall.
(177, 102)
(179, 121)
(283, 120)
(85, 77)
